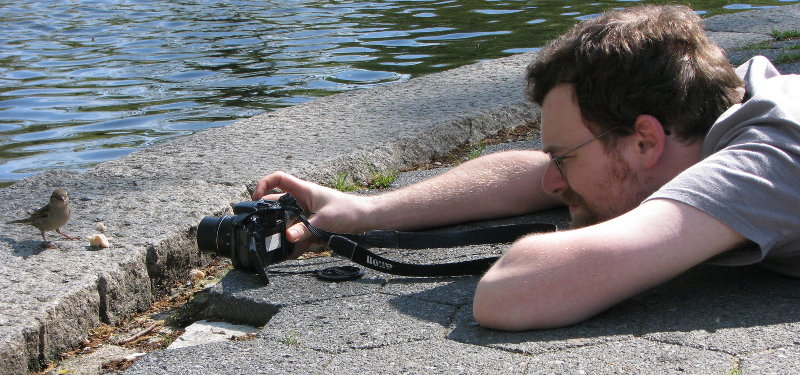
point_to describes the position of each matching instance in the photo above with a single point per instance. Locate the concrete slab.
(242, 357)
(732, 40)
(243, 297)
(360, 322)
(635, 356)
(607, 327)
(435, 356)
(205, 332)
(784, 18)
(456, 291)
(772, 362)
(733, 310)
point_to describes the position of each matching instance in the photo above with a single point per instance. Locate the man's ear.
(650, 140)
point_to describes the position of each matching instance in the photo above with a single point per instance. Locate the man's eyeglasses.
(559, 160)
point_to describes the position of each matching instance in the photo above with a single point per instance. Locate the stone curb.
(152, 199)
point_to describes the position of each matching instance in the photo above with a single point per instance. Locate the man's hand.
(329, 209)
(496, 185)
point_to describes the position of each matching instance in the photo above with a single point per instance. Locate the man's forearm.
(561, 278)
(496, 185)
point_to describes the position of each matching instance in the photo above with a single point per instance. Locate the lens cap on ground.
(339, 273)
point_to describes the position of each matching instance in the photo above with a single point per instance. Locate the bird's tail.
(20, 221)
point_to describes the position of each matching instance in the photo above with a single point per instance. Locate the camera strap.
(352, 246)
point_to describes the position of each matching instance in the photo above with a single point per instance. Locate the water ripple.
(84, 81)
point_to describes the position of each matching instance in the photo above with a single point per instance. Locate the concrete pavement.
(710, 320)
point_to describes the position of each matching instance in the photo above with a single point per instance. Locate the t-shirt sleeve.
(751, 186)
(749, 178)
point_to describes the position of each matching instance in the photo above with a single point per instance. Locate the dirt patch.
(118, 346)
(468, 151)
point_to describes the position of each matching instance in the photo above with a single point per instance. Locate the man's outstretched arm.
(496, 185)
(557, 279)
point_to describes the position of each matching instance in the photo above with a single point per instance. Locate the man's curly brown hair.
(654, 60)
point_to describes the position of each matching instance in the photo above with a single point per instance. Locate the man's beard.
(582, 218)
(630, 195)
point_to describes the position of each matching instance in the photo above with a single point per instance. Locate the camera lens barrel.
(215, 234)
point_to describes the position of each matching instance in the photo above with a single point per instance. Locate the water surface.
(85, 81)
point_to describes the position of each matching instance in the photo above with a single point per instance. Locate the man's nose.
(552, 181)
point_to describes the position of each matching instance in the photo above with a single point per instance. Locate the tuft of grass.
(476, 150)
(757, 46)
(786, 34)
(382, 180)
(168, 339)
(291, 338)
(787, 57)
(343, 183)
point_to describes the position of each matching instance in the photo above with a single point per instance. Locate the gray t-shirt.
(749, 177)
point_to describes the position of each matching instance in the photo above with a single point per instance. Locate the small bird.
(50, 217)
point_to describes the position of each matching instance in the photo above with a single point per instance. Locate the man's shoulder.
(769, 112)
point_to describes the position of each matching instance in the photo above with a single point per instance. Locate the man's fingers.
(273, 197)
(266, 184)
(279, 180)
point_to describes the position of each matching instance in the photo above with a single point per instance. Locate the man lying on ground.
(666, 156)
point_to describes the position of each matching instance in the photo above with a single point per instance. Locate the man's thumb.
(297, 233)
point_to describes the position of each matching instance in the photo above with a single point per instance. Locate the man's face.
(596, 184)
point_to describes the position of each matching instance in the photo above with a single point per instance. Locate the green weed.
(759, 45)
(343, 183)
(291, 338)
(476, 150)
(787, 57)
(382, 180)
(785, 35)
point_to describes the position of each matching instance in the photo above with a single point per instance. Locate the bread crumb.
(98, 240)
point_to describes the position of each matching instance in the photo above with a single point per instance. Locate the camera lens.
(214, 234)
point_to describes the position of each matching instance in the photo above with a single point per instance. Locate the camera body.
(254, 237)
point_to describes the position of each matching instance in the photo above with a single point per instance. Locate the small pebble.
(196, 275)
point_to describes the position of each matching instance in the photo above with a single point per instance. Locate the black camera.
(254, 237)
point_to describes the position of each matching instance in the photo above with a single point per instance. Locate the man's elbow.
(494, 308)
(491, 315)
(502, 304)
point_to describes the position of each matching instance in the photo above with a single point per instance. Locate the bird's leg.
(64, 234)
(47, 244)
